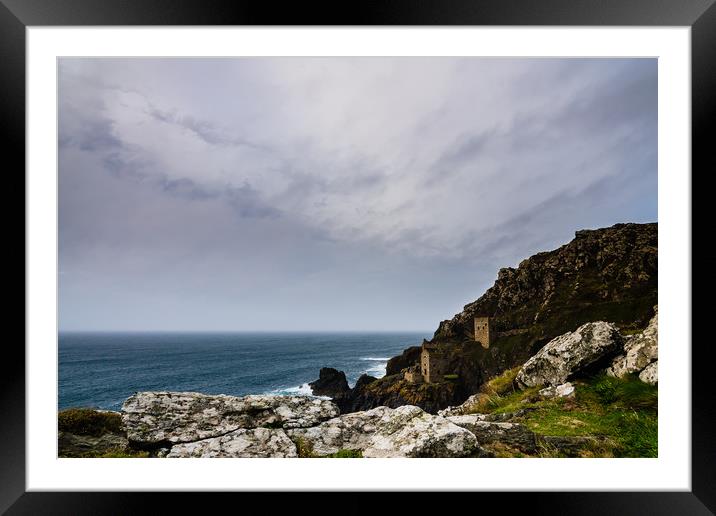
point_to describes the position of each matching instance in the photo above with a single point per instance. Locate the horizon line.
(239, 331)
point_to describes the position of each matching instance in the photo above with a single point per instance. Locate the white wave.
(376, 359)
(378, 370)
(300, 390)
(303, 390)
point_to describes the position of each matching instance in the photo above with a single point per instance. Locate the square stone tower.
(482, 331)
(432, 363)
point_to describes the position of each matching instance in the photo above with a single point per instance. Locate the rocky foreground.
(518, 413)
(185, 425)
(188, 424)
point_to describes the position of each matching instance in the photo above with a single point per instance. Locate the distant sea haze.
(102, 369)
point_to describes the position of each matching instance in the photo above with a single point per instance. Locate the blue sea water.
(102, 369)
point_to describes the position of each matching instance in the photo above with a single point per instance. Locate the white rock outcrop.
(640, 350)
(650, 374)
(406, 431)
(181, 417)
(565, 355)
(566, 390)
(244, 443)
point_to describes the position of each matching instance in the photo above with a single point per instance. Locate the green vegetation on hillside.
(97, 434)
(501, 384)
(84, 421)
(621, 413)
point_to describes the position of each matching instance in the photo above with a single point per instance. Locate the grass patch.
(504, 451)
(639, 433)
(113, 453)
(547, 450)
(627, 393)
(450, 377)
(623, 412)
(551, 418)
(620, 413)
(499, 394)
(82, 421)
(601, 448)
(628, 433)
(502, 384)
(346, 454)
(511, 402)
(123, 454)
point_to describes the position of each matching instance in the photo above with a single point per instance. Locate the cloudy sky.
(334, 193)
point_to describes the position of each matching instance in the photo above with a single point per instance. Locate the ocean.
(101, 370)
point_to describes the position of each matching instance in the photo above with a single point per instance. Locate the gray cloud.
(334, 193)
(465, 149)
(186, 188)
(248, 202)
(205, 130)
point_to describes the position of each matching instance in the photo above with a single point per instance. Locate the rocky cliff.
(607, 274)
(603, 274)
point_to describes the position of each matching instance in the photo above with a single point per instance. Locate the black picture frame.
(700, 15)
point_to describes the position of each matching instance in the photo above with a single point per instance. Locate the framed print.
(443, 242)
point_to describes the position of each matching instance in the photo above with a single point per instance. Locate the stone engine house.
(433, 362)
(482, 333)
(432, 367)
(413, 374)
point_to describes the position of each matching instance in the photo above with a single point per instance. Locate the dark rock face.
(354, 399)
(331, 382)
(393, 391)
(364, 380)
(407, 358)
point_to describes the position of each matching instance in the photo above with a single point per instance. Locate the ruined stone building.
(413, 374)
(482, 333)
(432, 367)
(433, 363)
